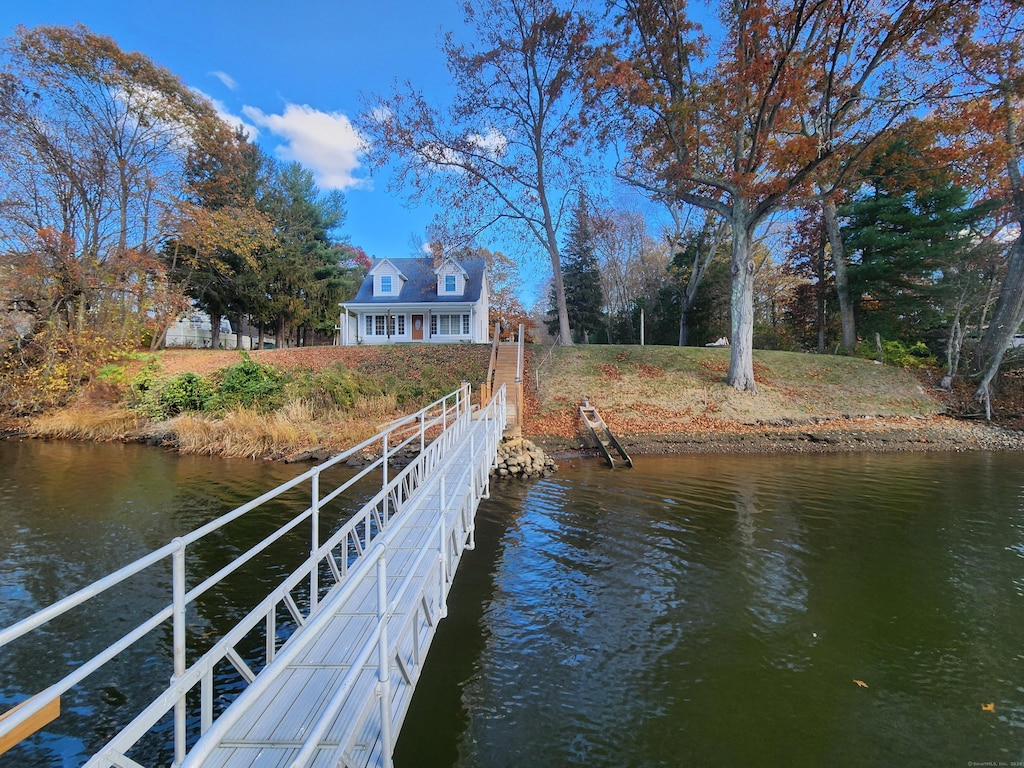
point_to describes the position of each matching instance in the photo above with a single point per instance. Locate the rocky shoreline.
(536, 456)
(876, 435)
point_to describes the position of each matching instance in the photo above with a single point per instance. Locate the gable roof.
(420, 284)
(381, 262)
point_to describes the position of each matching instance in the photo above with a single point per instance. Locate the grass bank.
(657, 399)
(270, 404)
(651, 390)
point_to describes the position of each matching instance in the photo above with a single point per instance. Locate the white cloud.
(492, 143)
(228, 81)
(231, 119)
(325, 142)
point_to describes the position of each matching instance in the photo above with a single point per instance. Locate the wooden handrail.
(49, 712)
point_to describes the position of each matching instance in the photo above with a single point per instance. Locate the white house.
(193, 330)
(418, 300)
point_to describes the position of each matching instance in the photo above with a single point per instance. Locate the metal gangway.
(344, 636)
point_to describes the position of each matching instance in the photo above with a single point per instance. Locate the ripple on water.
(700, 610)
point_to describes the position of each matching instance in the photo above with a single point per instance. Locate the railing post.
(314, 543)
(383, 660)
(178, 634)
(384, 470)
(442, 571)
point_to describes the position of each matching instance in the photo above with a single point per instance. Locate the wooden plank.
(40, 719)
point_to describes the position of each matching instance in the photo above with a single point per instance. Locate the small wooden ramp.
(613, 452)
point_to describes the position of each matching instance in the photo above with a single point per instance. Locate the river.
(840, 610)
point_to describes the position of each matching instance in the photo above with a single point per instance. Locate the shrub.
(896, 353)
(247, 384)
(334, 387)
(187, 392)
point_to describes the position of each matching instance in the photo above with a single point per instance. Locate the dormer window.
(449, 283)
(385, 283)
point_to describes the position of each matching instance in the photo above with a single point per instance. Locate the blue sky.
(292, 70)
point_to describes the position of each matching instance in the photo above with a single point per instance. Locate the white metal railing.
(354, 547)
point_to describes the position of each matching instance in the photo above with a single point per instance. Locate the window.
(449, 325)
(385, 283)
(449, 283)
(394, 325)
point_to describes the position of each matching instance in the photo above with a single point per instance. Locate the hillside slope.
(656, 399)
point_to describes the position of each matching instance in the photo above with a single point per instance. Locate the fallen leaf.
(990, 707)
(861, 683)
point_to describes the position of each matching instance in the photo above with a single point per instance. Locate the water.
(718, 611)
(72, 513)
(706, 611)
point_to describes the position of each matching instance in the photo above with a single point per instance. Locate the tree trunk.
(741, 359)
(214, 330)
(1009, 311)
(684, 328)
(835, 241)
(564, 332)
(1006, 319)
(819, 269)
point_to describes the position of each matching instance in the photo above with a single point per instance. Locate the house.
(418, 300)
(193, 330)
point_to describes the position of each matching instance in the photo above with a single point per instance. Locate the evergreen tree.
(907, 245)
(302, 277)
(581, 277)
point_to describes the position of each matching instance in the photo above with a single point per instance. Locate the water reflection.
(75, 512)
(705, 610)
(717, 611)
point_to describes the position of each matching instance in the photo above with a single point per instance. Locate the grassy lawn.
(664, 389)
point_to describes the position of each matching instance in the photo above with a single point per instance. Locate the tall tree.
(220, 232)
(691, 258)
(581, 276)
(988, 57)
(302, 276)
(797, 85)
(95, 143)
(507, 150)
(632, 265)
(903, 242)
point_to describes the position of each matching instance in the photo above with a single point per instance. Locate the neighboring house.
(418, 300)
(193, 330)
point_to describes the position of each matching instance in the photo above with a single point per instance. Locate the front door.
(417, 327)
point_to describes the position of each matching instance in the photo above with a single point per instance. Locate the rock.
(520, 458)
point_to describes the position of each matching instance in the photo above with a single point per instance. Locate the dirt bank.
(938, 433)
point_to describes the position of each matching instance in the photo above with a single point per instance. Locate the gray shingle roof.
(421, 285)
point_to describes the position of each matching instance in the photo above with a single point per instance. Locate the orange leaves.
(860, 683)
(990, 707)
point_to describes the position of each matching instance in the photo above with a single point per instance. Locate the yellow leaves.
(860, 683)
(990, 707)
(239, 230)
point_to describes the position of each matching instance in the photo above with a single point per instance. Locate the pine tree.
(907, 245)
(581, 277)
